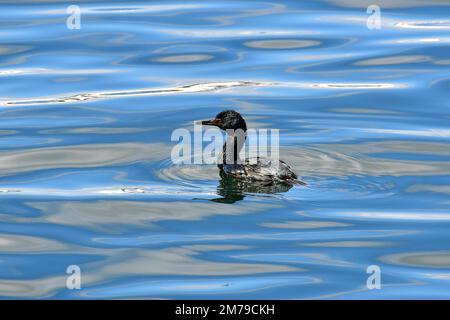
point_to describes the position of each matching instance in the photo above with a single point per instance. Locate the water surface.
(86, 177)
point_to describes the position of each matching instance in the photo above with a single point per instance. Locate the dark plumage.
(262, 170)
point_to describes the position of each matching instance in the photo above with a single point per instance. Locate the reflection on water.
(233, 190)
(440, 259)
(186, 58)
(281, 44)
(85, 170)
(104, 95)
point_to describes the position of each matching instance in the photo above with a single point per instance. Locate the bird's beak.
(213, 122)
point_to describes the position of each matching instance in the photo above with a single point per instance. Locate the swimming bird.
(262, 171)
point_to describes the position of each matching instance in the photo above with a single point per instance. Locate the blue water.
(86, 177)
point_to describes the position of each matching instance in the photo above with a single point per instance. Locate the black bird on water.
(260, 175)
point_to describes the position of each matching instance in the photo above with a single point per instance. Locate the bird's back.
(263, 170)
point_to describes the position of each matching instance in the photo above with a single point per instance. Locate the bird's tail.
(297, 182)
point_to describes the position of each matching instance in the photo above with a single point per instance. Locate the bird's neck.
(231, 148)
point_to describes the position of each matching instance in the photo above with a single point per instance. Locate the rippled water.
(86, 177)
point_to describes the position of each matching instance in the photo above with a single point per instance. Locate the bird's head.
(228, 119)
